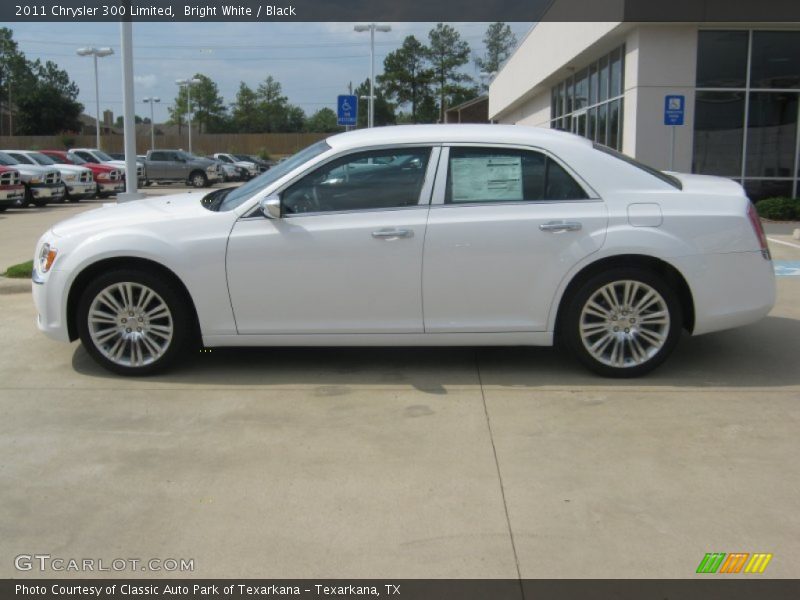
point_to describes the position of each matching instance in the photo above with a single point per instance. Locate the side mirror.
(270, 207)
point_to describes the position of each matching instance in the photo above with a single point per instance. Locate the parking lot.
(404, 463)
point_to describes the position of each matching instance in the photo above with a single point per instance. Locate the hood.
(26, 169)
(708, 184)
(134, 213)
(70, 169)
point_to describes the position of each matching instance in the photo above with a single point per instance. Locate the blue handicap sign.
(674, 108)
(347, 110)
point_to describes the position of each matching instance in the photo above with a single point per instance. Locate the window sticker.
(486, 178)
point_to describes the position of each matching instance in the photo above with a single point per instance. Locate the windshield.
(8, 161)
(233, 197)
(75, 158)
(41, 158)
(102, 155)
(665, 177)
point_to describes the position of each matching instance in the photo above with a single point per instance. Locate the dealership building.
(610, 82)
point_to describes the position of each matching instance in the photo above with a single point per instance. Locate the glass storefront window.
(722, 59)
(758, 189)
(771, 134)
(603, 79)
(602, 112)
(613, 124)
(616, 73)
(582, 90)
(588, 98)
(718, 132)
(776, 60)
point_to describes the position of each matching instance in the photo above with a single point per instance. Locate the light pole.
(151, 101)
(96, 52)
(372, 28)
(188, 83)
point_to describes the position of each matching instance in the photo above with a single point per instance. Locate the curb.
(14, 286)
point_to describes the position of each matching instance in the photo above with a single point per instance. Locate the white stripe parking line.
(784, 243)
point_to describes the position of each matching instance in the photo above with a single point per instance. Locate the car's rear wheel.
(198, 179)
(133, 323)
(623, 323)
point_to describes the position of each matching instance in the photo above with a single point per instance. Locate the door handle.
(392, 234)
(559, 226)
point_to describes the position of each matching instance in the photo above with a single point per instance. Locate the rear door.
(505, 227)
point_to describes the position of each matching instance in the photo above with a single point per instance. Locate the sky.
(314, 62)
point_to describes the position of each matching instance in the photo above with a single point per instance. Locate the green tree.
(49, 103)
(245, 114)
(500, 42)
(323, 121)
(406, 77)
(208, 105)
(384, 111)
(42, 98)
(447, 53)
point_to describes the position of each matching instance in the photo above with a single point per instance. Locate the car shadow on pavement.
(760, 355)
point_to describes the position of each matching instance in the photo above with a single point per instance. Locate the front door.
(346, 256)
(509, 226)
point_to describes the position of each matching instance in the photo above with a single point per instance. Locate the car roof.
(462, 133)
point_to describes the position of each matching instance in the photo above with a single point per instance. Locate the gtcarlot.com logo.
(736, 562)
(46, 562)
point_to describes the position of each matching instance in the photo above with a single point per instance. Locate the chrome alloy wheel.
(130, 324)
(624, 324)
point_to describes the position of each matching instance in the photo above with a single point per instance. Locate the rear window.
(666, 178)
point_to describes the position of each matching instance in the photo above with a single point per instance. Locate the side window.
(87, 157)
(158, 156)
(499, 175)
(363, 181)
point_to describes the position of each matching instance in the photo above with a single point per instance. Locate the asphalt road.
(400, 462)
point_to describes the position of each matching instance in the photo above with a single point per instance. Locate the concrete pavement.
(404, 462)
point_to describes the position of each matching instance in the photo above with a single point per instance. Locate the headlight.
(211, 169)
(47, 256)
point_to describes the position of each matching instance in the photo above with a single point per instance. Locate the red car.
(110, 179)
(11, 188)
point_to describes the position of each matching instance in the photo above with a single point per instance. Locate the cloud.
(146, 81)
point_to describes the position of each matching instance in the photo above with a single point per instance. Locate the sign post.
(674, 110)
(347, 110)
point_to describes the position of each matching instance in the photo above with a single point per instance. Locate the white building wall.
(660, 60)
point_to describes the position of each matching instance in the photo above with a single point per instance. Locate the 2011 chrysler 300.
(418, 235)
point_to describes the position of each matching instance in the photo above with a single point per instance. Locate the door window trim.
(425, 195)
(440, 186)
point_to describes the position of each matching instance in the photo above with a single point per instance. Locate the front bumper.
(9, 194)
(50, 305)
(82, 190)
(43, 191)
(110, 187)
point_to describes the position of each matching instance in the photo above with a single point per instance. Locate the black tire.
(198, 179)
(642, 333)
(168, 292)
(3, 208)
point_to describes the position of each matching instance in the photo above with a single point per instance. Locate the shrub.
(263, 154)
(779, 209)
(21, 271)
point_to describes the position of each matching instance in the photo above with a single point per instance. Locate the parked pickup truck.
(11, 188)
(172, 166)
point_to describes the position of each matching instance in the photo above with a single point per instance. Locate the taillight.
(755, 221)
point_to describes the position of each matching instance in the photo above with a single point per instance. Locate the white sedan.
(420, 235)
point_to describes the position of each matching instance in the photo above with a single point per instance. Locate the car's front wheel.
(198, 179)
(623, 323)
(133, 323)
